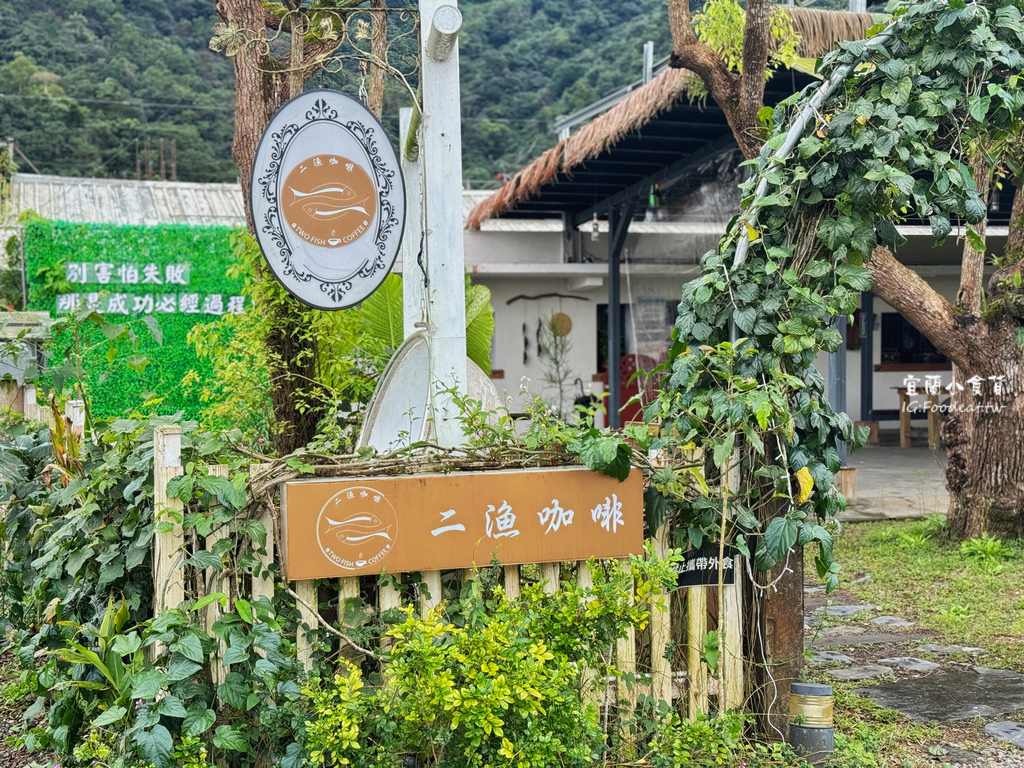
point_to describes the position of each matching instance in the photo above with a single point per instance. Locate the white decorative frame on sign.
(330, 237)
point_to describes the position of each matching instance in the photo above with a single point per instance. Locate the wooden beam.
(666, 175)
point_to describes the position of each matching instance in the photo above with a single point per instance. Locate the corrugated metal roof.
(122, 201)
(126, 201)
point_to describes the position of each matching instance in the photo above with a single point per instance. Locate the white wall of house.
(513, 263)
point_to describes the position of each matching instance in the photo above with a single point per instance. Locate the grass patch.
(972, 592)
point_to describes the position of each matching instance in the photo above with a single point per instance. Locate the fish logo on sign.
(329, 200)
(356, 527)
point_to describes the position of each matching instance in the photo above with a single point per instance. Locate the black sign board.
(700, 567)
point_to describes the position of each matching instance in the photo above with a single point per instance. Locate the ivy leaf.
(745, 318)
(170, 706)
(977, 241)
(854, 277)
(205, 559)
(231, 737)
(148, 684)
(293, 757)
(723, 449)
(975, 211)
(779, 538)
(191, 648)
(198, 719)
(898, 92)
(655, 508)
(181, 669)
(940, 227)
(155, 745)
(977, 106)
(113, 715)
(607, 454)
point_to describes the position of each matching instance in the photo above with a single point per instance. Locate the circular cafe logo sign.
(328, 201)
(356, 527)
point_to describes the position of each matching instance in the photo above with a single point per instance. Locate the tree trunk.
(263, 84)
(985, 476)
(982, 432)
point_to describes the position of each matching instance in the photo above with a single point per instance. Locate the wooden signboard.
(337, 528)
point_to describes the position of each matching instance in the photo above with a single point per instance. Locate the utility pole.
(163, 168)
(174, 159)
(138, 162)
(442, 188)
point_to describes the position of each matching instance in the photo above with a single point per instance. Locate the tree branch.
(756, 37)
(326, 625)
(972, 268)
(906, 292)
(724, 86)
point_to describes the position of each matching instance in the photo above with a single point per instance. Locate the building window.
(903, 344)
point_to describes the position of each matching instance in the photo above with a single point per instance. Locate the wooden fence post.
(31, 405)
(732, 663)
(74, 412)
(512, 582)
(592, 694)
(167, 550)
(730, 620)
(549, 575)
(697, 626)
(432, 581)
(625, 660)
(661, 631)
(310, 602)
(388, 597)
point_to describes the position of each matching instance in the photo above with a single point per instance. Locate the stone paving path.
(947, 686)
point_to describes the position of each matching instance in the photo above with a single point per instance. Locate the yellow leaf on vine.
(752, 234)
(803, 477)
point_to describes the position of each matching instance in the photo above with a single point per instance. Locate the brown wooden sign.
(336, 528)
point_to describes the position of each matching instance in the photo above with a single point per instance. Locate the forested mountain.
(82, 80)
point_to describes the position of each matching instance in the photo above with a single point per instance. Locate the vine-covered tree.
(922, 129)
(267, 74)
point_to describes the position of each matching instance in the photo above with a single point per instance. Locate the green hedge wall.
(117, 389)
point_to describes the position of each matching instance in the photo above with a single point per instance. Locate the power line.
(224, 108)
(117, 102)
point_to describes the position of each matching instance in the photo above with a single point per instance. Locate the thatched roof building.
(819, 31)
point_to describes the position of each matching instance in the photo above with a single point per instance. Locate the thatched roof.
(819, 32)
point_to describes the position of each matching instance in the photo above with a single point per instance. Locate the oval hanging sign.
(328, 200)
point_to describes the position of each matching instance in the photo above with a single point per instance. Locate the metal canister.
(810, 721)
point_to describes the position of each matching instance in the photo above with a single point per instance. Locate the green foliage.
(721, 23)
(82, 81)
(383, 314)
(986, 549)
(890, 143)
(523, 65)
(492, 682)
(115, 388)
(710, 742)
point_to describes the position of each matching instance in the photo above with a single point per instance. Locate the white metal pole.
(441, 158)
(413, 298)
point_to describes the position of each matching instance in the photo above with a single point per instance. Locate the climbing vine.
(891, 142)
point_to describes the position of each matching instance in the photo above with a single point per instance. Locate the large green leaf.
(155, 745)
(479, 326)
(383, 312)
